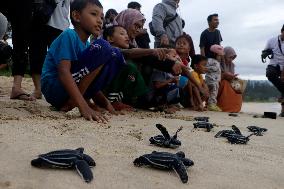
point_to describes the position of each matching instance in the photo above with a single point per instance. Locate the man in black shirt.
(210, 36)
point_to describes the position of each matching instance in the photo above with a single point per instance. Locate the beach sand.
(28, 129)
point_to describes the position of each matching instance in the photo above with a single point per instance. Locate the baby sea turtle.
(202, 119)
(67, 159)
(257, 130)
(226, 133)
(165, 140)
(166, 161)
(238, 139)
(234, 136)
(204, 125)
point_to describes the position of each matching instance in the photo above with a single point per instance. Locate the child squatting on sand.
(75, 71)
(198, 64)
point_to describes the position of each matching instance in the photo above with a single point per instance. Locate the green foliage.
(260, 91)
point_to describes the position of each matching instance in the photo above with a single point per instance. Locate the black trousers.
(19, 13)
(41, 38)
(273, 74)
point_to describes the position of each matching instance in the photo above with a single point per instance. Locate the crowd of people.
(106, 62)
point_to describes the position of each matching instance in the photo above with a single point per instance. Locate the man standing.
(210, 36)
(20, 15)
(167, 24)
(275, 69)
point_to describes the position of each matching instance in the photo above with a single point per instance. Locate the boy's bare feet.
(19, 94)
(37, 94)
(119, 106)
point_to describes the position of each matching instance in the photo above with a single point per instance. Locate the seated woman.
(129, 84)
(228, 99)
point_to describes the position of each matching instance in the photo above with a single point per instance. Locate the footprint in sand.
(136, 134)
(5, 184)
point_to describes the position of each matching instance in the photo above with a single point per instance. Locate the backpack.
(165, 24)
(42, 10)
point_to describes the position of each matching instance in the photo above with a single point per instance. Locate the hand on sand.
(89, 114)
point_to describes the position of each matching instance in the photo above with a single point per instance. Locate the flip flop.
(22, 96)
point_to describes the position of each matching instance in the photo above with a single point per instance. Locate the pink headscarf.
(218, 49)
(128, 17)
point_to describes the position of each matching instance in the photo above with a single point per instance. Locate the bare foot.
(37, 94)
(170, 110)
(19, 94)
(119, 106)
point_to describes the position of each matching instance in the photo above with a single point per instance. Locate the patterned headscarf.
(127, 18)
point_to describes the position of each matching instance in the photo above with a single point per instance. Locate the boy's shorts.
(99, 55)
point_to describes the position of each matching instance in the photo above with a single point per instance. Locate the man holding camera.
(275, 69)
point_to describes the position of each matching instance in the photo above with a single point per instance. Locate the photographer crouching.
(5, 49)
(275, 69)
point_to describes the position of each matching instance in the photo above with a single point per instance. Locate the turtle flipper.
(163, 131)
(175, 136)
(84, 170)
(90, 161)
(180, 169)
(237, 130)
(220, 134)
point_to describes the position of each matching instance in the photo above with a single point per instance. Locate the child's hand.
(89, 114)
(177, 69)
(160, 53)
(175, 79)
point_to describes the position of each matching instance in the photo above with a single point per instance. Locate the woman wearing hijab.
(130, 78)
(228, 99)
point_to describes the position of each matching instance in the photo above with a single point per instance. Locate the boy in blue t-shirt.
(74, 71)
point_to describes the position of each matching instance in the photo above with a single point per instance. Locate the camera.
(268, 53)
(5, 52)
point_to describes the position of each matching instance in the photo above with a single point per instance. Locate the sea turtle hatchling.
(226, 133)
(258, 131)
(203, 125)
(202, 119)
(165, 140)
(166, 161)
(234, 136)
(67, 159)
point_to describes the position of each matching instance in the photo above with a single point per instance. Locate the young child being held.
(213, 76)
(129, 84)
(73, 70)
(198, 64)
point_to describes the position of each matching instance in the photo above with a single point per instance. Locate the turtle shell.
(59, 159)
